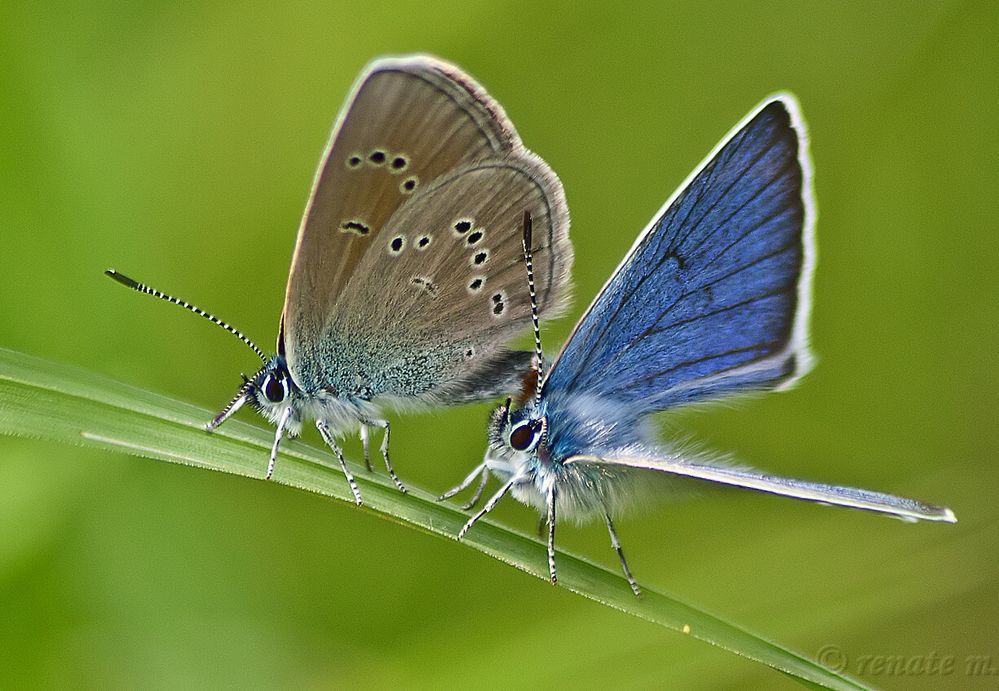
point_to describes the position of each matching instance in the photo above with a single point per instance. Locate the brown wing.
(407, 121)
(444, 287)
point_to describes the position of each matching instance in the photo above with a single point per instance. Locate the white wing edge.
(850, 497)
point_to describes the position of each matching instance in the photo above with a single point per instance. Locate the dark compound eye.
(274, 389)
(525, 435)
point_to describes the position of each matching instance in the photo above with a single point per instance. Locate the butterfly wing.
(412, 231)
(444, 286)
(406, 122)
(889, 504)
(713, 299)
(714, 296)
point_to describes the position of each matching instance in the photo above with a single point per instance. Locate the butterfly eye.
(526, 435)
(274, 389)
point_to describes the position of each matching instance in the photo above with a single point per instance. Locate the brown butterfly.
(406, 282)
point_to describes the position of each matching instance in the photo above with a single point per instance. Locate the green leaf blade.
(56, 402)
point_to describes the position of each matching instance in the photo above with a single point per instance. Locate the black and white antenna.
(135, 285)
(539, 354)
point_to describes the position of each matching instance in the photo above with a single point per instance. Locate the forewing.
(444, 287)
(714, 296)
(407, 122)
(850, 497)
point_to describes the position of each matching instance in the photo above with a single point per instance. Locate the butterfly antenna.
(539, 354)
(142, 288)
(232, 406)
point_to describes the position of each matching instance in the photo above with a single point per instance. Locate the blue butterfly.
(712, 300)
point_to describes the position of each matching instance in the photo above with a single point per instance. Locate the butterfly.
(405, 282)
(712, 300)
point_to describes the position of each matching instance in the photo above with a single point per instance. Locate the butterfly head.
(271, 391)
(526, 434)
(518, 437)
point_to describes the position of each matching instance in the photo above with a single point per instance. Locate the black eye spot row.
(378, 157)
(465, 229)
(398, 243)
(397, 163)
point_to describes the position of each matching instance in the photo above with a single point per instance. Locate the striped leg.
(327, 436)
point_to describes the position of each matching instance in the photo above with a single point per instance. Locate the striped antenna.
(232, 406)
(135, 285)
(539, 354)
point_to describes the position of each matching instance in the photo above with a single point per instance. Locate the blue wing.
(714, 296)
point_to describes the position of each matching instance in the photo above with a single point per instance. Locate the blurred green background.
(177, 142)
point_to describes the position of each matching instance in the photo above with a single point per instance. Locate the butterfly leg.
(384, 424)
(490, 505)
(551, 536)
(327, 436)
(483, 479)
(364, 444)
(277, 442)
(480, 471)
(620, 555)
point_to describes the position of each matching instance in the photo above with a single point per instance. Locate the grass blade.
(51, 401)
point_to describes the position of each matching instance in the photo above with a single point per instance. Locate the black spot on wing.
(356, 227)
